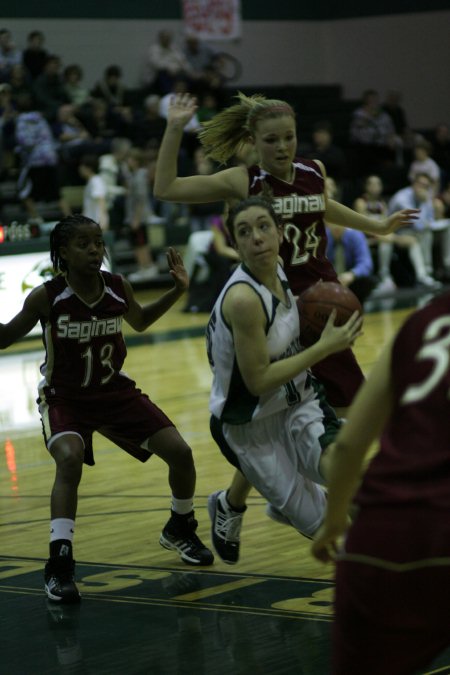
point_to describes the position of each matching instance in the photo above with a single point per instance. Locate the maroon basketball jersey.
(301, 206)
(413, 465)
(84, 345)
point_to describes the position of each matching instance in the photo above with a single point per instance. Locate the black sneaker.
(59, 580)
(226, 527)
(64, 624)
(180, 583)
(179, 535)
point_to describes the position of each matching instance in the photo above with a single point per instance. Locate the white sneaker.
(145, 274)
(429, 282)
(386, 285)
(225, 527)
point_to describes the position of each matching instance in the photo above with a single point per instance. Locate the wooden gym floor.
(143, 611)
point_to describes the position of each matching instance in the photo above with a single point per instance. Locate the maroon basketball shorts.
(126, 416)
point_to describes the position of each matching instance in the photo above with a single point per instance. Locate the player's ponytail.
(223, 136)
(226, 134)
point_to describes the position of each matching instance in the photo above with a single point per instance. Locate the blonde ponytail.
(226, 134)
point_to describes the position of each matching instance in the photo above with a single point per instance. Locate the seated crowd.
(57, 132)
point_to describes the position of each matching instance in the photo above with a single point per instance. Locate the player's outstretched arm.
(223, 185)
(181, 110)
(341, 215)
(367, 417)
(398, 220)
(140, 316)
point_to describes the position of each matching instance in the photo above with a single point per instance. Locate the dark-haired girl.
(83, 389)
(267, 417)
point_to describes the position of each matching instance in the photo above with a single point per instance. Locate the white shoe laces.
(228, 527)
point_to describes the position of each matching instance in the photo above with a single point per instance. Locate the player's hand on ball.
(315, 304)
(336, 338)
(177, 269)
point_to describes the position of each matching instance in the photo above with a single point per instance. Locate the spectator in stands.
(139, 215)
(113, 169)
(101, 122)
(440, 143)
(110, 87)
(200, 59)
(208, 107)
(349, 253)
(203, 215)
(444, 197)
(149, 125)
(324, 149)
(48, 88)
(113, 91)
(74, 141)
(94, 194)
(392, 105)
(350, 256)
(199, 56)
(9, 54)
(166, 63)
(217, 76)
(35, 55)
(69, 131)
(76, 92)
(8, 108)
(19, 81)
(8, 114)
(36, 148)
(210, 259)
(419, 196)
(372, 203)
(373, 135)
(441, 249)
(423, 163)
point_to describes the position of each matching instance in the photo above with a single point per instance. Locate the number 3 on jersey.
(435, 350)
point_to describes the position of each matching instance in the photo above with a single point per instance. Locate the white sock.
(62, 528)
(416, 257)
(384, 259)
(182, 506)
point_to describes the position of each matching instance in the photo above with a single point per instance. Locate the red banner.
(212, 19)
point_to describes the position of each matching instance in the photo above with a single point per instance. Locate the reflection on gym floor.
(143, 611)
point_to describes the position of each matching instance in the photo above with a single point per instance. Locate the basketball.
(316, 304)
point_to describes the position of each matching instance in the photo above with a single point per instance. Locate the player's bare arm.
(229, 184)
(341, 215)
(224, 185)
(346, 459)
(243, 310)
(140, 316)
